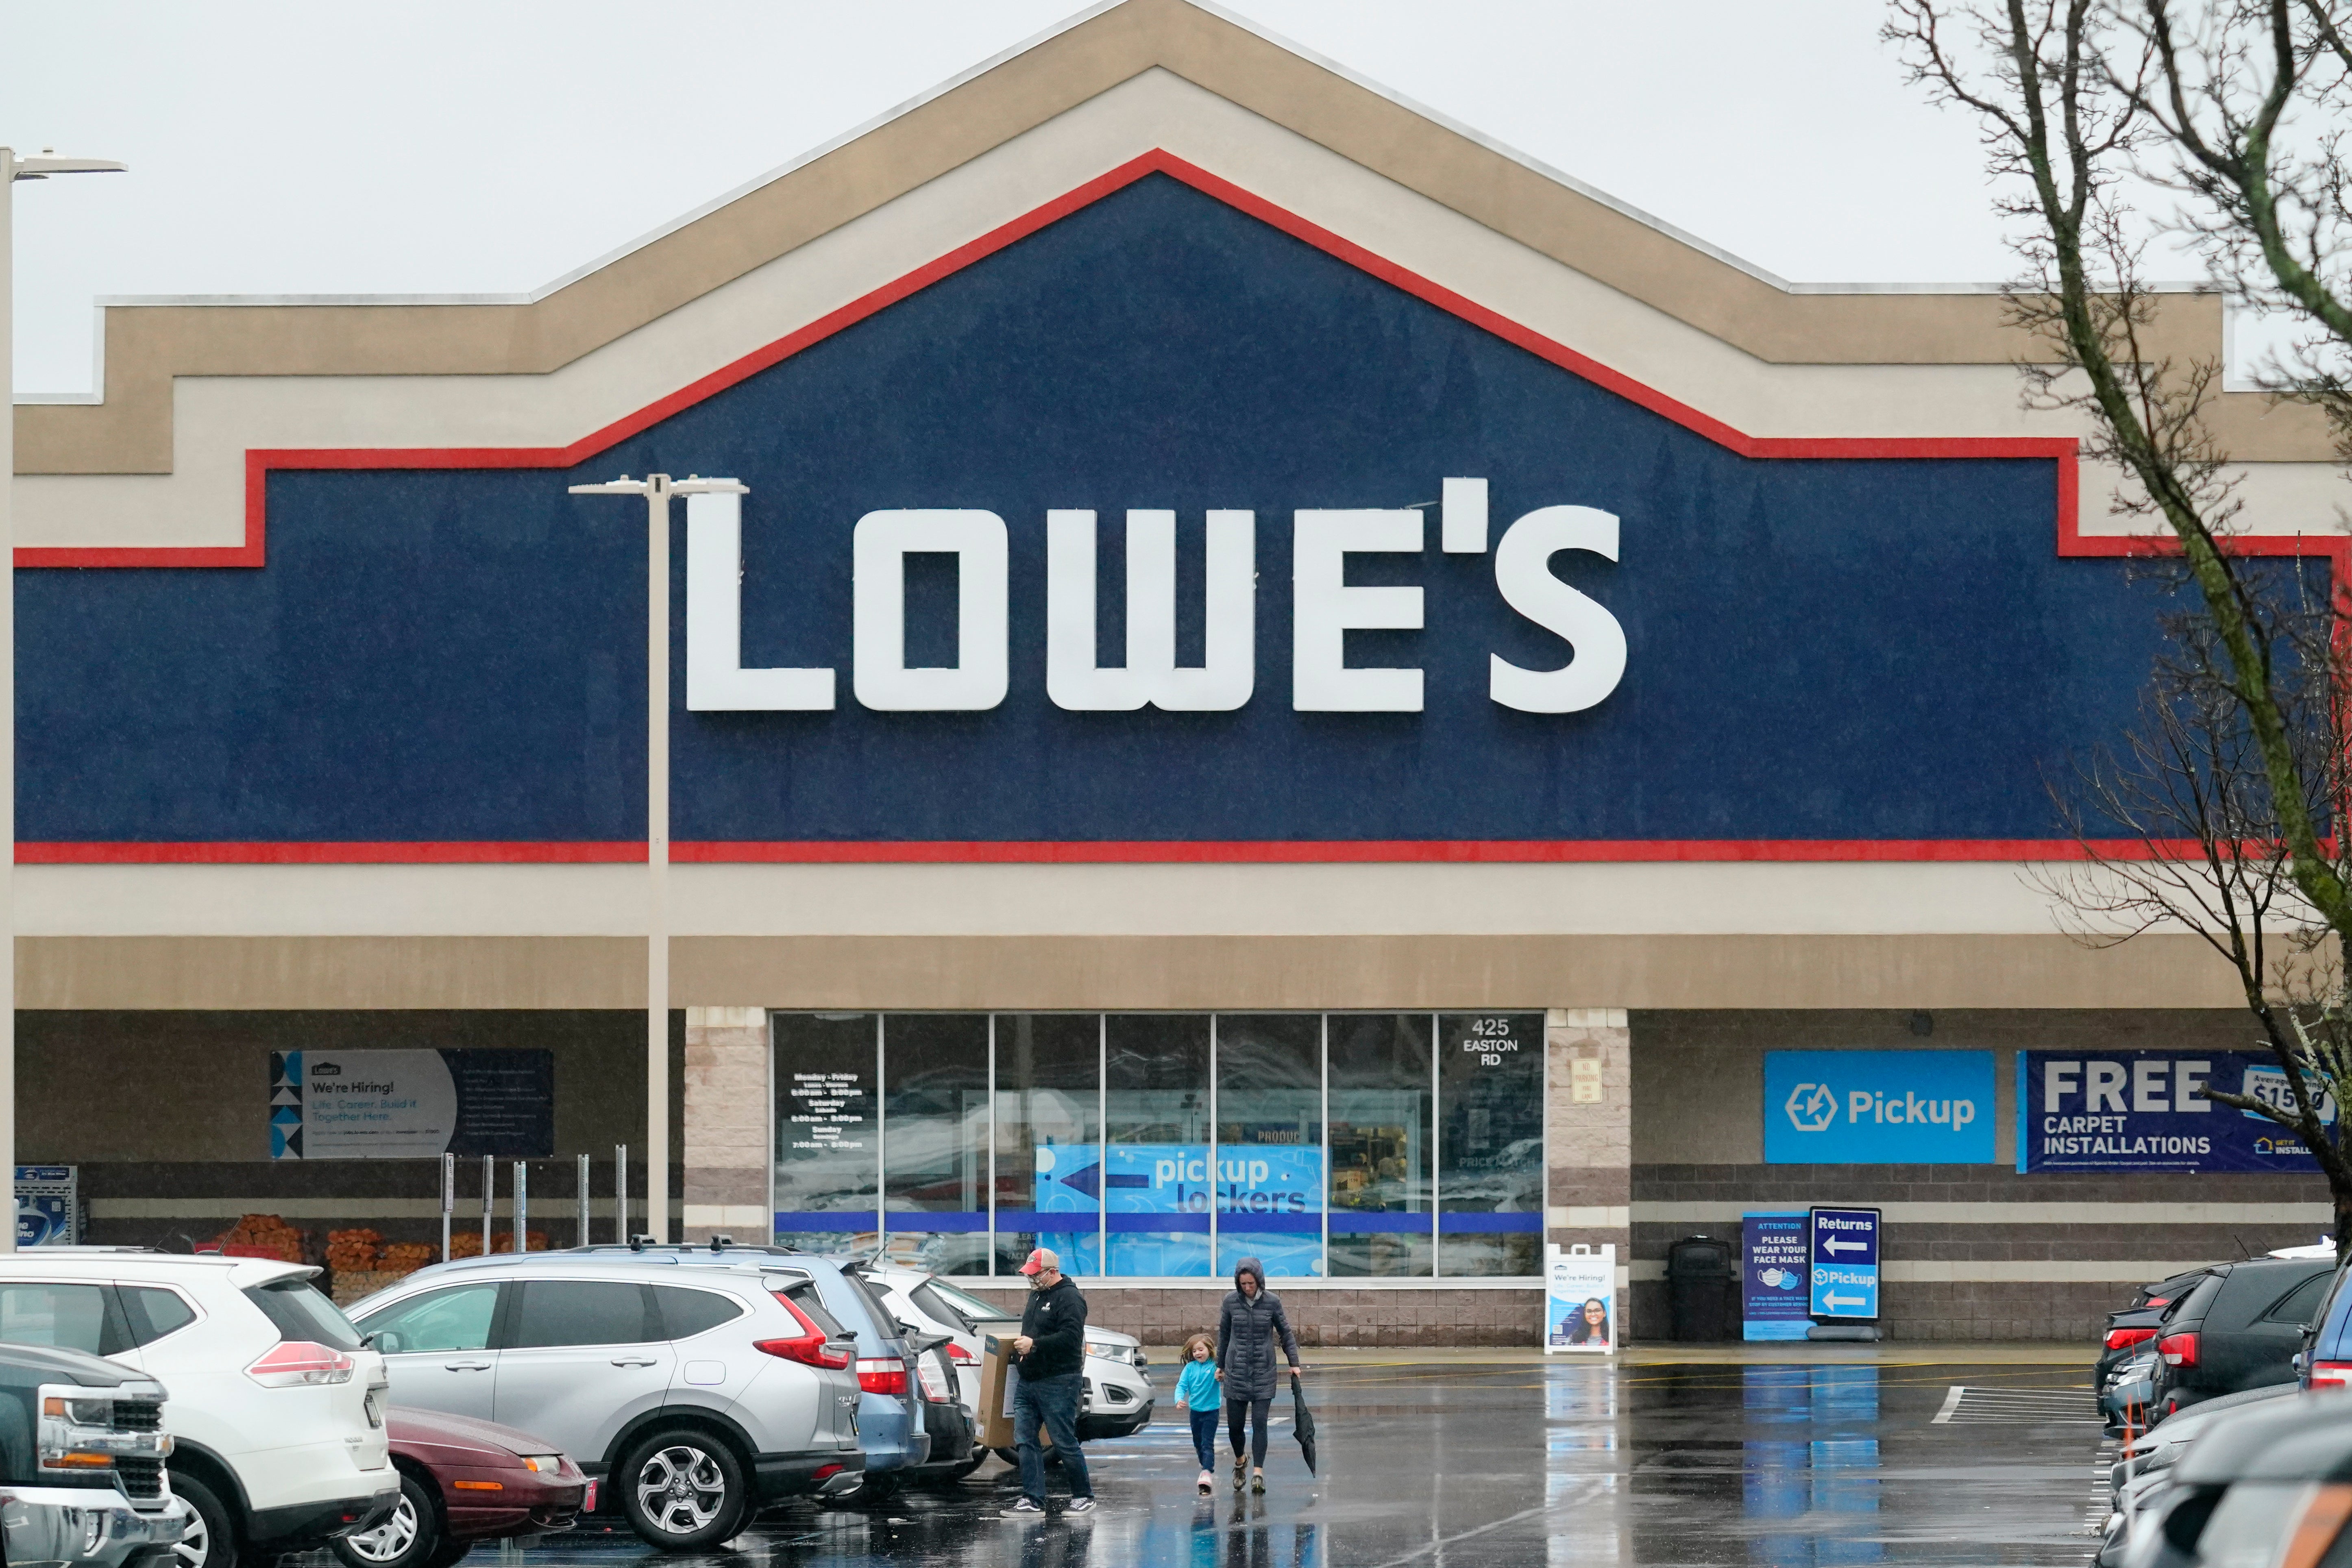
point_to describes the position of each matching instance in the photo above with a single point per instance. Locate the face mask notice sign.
(1844, 1275)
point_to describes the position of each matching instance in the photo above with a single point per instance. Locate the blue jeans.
(1052, 1402)
(1204, 1436)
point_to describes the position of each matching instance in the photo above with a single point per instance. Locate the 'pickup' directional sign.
(1846, 1263)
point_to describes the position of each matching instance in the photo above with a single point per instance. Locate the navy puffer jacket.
(1246, 1331)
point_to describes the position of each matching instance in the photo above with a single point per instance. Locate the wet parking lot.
(1788, 1466)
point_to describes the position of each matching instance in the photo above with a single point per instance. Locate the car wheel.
(683, 1490)
(878, 1488)
(407, 1540)
(210, 1541)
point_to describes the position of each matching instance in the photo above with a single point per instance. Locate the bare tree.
(2228, 795)
(2179, 832)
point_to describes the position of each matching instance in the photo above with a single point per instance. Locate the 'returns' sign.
(1844, 1275)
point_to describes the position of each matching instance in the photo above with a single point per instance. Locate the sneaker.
(1241, 1472)
(1207, 1481)
(1257, 1482)
(1027, 1507)
(1080, 1505)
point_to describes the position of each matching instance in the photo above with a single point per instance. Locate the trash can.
(1702, 1288)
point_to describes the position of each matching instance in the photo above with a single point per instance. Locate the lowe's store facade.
(1274, 680)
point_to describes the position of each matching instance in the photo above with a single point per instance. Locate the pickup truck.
(82, 1447)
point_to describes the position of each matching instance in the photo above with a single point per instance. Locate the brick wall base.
(1320, 1317)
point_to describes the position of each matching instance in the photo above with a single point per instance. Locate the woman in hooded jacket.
(1246, 1331)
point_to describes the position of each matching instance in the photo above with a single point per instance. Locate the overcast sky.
(453, 148)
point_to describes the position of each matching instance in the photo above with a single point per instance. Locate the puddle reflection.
(1824, 1485)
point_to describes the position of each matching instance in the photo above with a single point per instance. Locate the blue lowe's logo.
(1878, 1107)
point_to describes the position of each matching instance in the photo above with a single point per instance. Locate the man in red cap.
(1050, 1355)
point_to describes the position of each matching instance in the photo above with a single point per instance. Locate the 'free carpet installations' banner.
(2148, 1111)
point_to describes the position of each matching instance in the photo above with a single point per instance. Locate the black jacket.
(1246, 1331)
(1056, 1320)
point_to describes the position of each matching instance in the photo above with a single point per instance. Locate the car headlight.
(543, 1464)
(1108, 1351)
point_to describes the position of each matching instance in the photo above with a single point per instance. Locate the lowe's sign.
(1160, 531)
(1878, 1107)
(1324, 607)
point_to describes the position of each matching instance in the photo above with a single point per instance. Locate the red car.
(461, 1481)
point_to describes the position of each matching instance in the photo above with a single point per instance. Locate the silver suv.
(697, 1400)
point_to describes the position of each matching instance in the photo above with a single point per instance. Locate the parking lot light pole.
(37, 166)
(658, 488)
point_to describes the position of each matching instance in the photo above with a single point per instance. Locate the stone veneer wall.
(726, 1155)
(1323, 1316)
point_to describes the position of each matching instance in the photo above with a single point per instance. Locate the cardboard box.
(998, 1380)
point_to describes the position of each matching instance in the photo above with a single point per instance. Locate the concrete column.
(1588, 1152)
(725, 1149)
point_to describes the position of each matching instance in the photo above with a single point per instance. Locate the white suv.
(1117, 1397)
(276, 1414)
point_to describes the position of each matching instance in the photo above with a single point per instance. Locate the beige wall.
(1084, 971)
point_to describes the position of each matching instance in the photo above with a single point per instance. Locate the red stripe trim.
(1495, 851)
(259, 461)
(554, 852)
(1101, 852)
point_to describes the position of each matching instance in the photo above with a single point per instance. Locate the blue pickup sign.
(1846, 1263)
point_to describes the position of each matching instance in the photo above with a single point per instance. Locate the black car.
(2140, 1322)
(2242, 1326)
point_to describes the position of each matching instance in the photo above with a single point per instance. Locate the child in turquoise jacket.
(1196, 1392)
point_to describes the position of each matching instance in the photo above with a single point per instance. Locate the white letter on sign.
(1523, 571)
(716, 680)
(883, 542)
(1324, 609)
(1229, 669)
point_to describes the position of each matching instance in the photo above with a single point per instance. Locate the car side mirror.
(383, 1342)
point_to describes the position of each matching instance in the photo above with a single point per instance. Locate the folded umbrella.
(1302, 1422)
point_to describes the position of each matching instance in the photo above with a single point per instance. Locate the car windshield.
(299, 1311)
(941, 1300)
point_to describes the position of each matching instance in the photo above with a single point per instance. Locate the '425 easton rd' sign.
(1325, 606)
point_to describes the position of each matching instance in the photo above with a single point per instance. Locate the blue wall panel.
(1819, 648)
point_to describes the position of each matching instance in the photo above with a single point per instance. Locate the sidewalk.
(2010, 1352)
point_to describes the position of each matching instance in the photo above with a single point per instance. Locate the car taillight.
(2118, 1338)
(2178, 1350)
(938, 1386)
(882, 1374)
(2331, 1374)
(962, 1356)
(808, 1347)
(300, 1363)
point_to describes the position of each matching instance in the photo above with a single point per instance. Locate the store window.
(1270, 1142)
(1155, 1167)
(1346, 1145)
(1490, 1143)
(1382, 1082)
(935, 1139)
(826, 1174)
(1048, 1124)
